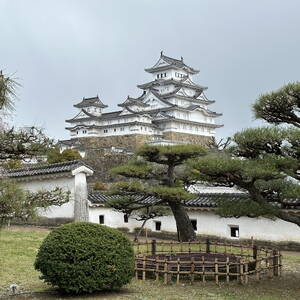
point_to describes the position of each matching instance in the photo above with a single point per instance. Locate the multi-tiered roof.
(170, 102)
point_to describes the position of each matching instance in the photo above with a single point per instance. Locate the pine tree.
(264, 161)
(18, 145)
(156, 171)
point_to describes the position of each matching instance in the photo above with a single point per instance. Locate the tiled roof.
(94, 101)
(134, 101)
(204, 200)
(200, 200)
(46, 169)
(178, 63)
(178, 83)
(70, 143)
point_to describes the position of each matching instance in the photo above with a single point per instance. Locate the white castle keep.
(171, 109)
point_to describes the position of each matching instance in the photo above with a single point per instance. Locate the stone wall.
(134, 141)
(130, 141)
(102, 161)
(186, 137)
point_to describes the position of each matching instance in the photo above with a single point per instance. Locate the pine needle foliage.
(265, 161)
(155, 171)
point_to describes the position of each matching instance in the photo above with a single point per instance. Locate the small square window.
(101, 219)
(194, 224)
(125, 218)
(157, 225)
(234, 231)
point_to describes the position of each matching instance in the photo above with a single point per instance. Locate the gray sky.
(62, 50)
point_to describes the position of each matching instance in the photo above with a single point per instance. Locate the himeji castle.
(172, 109)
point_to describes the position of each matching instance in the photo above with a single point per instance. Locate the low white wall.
(209, 223)
(66, 183)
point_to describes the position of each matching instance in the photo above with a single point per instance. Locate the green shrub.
(85, 257)
(100, 186)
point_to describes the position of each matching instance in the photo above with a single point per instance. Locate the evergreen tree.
(18, 145)
(264, 161)
(55, 156)
(156, 171)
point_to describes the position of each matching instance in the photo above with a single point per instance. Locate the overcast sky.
(63, 50)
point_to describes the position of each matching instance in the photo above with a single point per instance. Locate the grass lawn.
(18, 247)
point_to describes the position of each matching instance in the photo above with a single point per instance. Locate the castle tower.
(172, 109)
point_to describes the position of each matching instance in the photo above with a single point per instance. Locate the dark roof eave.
(164, 68)
(49, 169)
(171, 81)
(189, 122)
(112, 125)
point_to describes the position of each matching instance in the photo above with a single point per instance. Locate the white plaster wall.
(209, 224)
(188, 128)
(66, 183)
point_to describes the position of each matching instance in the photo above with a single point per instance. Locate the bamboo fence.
(181, 261)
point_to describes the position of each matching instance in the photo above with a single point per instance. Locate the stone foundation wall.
(186, 137)
(134, 141)
(101, 162)
(130, 141)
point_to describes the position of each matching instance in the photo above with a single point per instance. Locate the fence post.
(178, 271)
(227, 269)
(207, 245)
(192, 269)
(280, 264)
(203, 269)
(254, 252)
(156, 269)
(153, 247)
(216, 271)
(275, 262)
(136, 270)
(144, 268)
(241, 271)
(165, 272)
(257, 268)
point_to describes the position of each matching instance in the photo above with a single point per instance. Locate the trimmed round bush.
(85, 257)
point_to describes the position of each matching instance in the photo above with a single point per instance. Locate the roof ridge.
(43, 165)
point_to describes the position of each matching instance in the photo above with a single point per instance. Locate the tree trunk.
(183, 222)
(289, 217)
(136, 238)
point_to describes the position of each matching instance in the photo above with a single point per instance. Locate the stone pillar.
(81, 209)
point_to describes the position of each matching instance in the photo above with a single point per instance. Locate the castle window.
(194, 224)
(157, 75)
(105, 130)
(125, 218)
(157, 225)
(115, 129)
(165, 74)
(101, 219)
(76, 132)
(234, 231)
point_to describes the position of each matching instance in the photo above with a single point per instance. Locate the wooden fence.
(174, 261)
